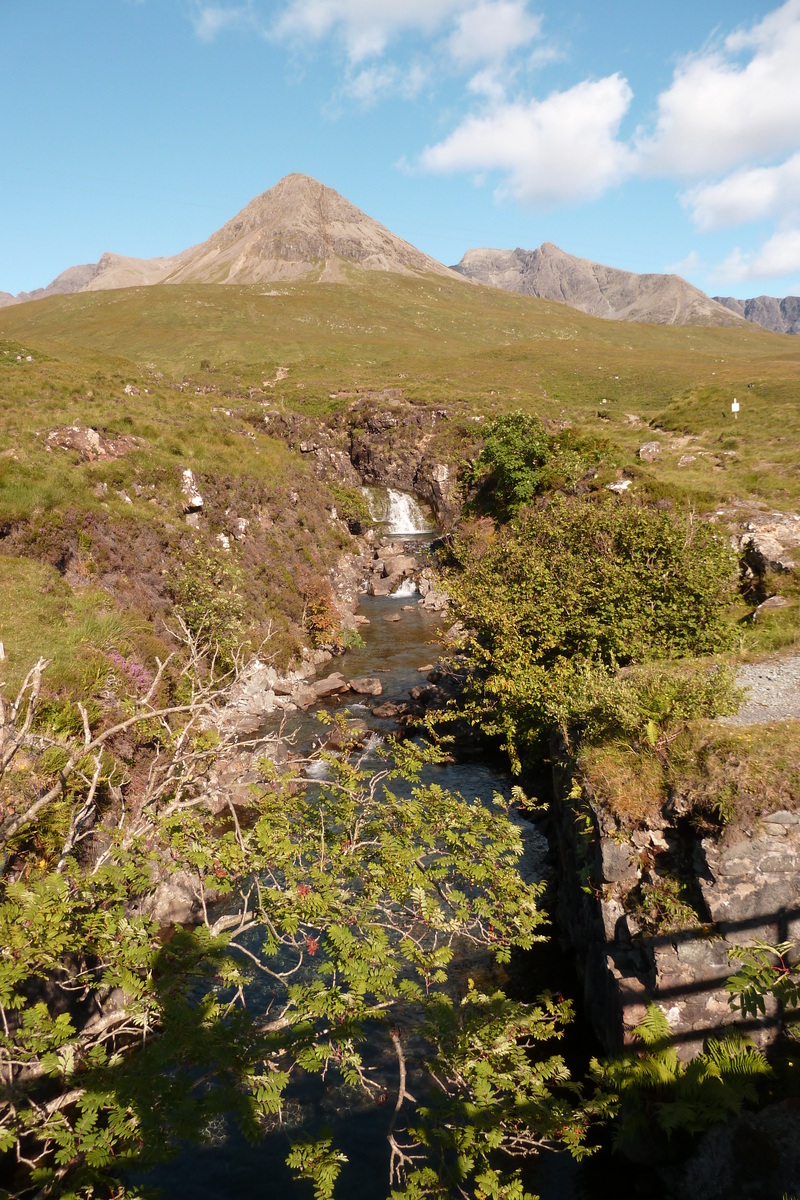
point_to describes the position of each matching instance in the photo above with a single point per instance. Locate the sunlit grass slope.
(476, 349)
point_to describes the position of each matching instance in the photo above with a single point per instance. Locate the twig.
(399, 1159)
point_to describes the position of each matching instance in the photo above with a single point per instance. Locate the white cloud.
(209, 20)
(556, 150)
(369, 84)
(365, 26)
(490, 83)
(779, 256)
(720, 112)
(747, 195)
(686, 265)
(491, 31)
(485, 30)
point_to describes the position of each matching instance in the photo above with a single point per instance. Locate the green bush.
(646, 702)
(207, 596)
(520, 460)
(351, 505)
(578, 587)
(655, 1095)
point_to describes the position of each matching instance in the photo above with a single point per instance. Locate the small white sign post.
(735, 408)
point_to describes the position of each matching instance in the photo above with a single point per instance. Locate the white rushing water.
(400, 512)
(407, 588)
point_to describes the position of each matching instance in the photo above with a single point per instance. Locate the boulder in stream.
(382, 587)
(435, 601)
(402, 564)
(367, 685)
(304, 695)
(356, 731)
(331, 685)
(390, 708)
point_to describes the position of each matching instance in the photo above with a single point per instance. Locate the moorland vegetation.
(611, 617)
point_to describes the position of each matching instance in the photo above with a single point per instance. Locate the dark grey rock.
(781, 316)
(619, 861)
(754, 1157)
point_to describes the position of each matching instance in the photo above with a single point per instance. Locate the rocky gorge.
(747, 888)
(746, 881)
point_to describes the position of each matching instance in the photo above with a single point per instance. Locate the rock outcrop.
(383, 440)
(781, 316)
(395, 445)
(92, 445)
(749, 887)
(769, 542)
(552, 274)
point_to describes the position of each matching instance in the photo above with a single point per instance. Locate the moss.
(715, 776)
(626, 779)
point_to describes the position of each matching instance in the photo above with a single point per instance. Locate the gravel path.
(773, 688)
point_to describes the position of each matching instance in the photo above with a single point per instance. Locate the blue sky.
(651, 137)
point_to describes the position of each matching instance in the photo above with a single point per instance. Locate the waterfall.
(400, 512)
(407, 588)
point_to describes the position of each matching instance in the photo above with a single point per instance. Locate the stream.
(400, 653)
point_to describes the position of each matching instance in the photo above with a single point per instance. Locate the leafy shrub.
(368, 885)
(320, 618)
(655, 1092)
(765, 969)
(647, 702)
(663, 903)
(520, 460)
(207, 596)
(352, 507)
(576, 587)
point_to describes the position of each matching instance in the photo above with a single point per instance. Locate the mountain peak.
(552, 274)
(298, 228)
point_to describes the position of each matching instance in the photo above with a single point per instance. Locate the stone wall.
(750, 887)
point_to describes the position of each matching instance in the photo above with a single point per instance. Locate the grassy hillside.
(94, 542)
(474, 348)
(180, 377)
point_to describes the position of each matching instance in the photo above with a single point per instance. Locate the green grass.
(42, 616)
(471, 351)
(475, 349)
(716, 775)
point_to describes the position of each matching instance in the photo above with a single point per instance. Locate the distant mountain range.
(601, 291)
(781, 316)
(302, 229)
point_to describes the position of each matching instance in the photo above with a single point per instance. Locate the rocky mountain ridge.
(781, 316)
(601, 291)
(302, 229)
(299, 228)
